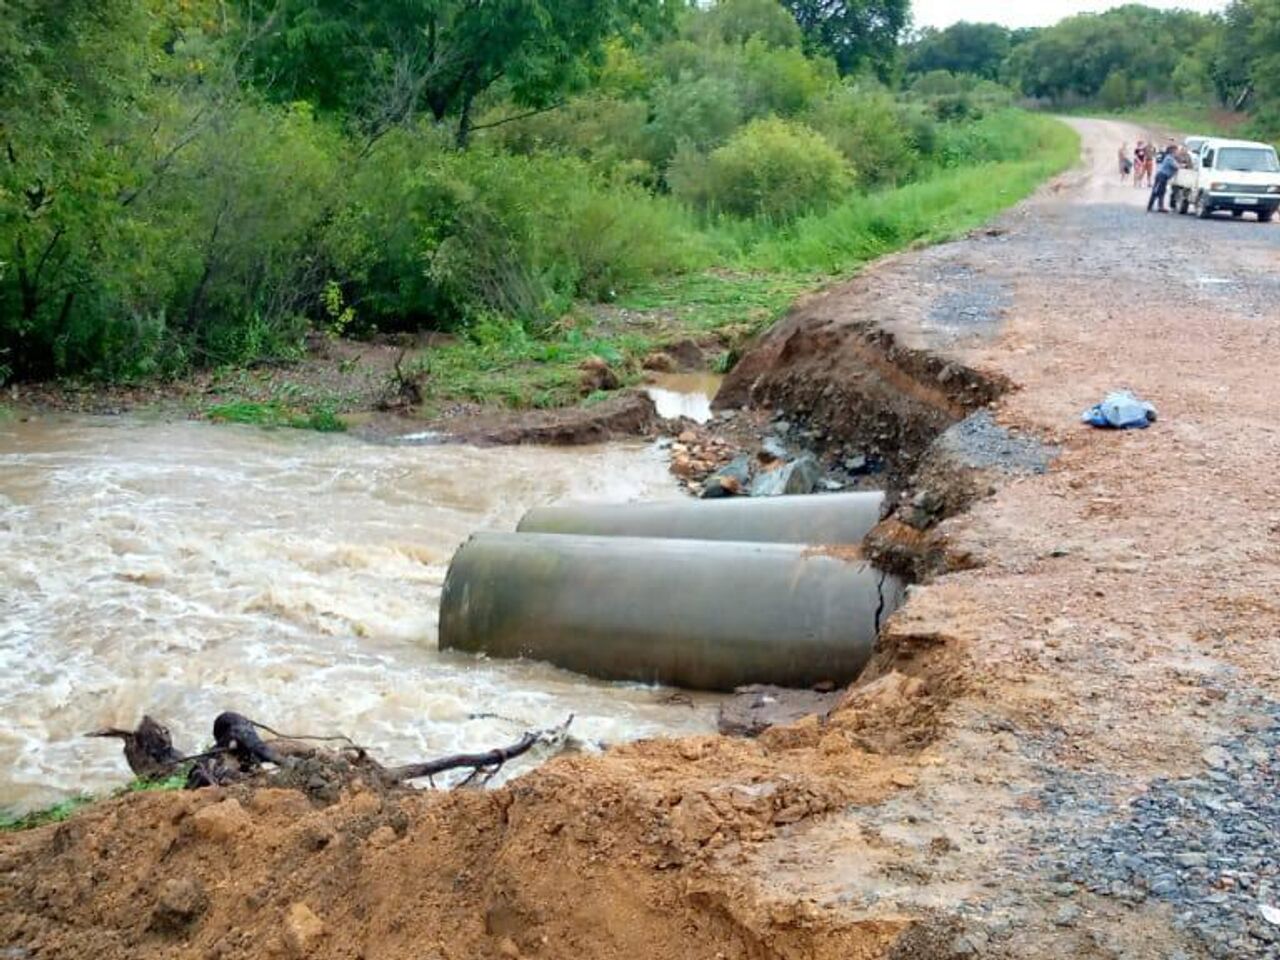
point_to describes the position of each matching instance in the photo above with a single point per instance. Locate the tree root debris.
(242, 755)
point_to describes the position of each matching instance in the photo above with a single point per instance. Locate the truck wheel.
(1264, 216)
(1203, 210)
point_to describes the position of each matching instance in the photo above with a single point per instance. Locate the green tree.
(1073, 59)
(66, 70)
(390, 60)
(979, 49)
(871, 129)
(737, 21)
(1116, 90)
(853, 33)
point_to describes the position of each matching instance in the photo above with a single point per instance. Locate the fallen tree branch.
(240, 752)
(489, 762)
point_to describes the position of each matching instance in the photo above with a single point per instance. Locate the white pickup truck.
(1237, 175)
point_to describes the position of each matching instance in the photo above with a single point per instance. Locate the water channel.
(181, 569)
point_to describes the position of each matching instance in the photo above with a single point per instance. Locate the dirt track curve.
(1069, 746)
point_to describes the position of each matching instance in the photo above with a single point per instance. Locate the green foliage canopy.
(856, 34)
(387, 60)
(978, 49)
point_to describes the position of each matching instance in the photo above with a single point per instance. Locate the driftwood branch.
(240, 752)
(148, 749)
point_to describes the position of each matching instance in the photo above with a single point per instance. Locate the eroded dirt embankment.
(1068, 746)
(631, 857)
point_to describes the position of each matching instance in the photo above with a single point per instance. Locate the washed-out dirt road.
(1068, 746)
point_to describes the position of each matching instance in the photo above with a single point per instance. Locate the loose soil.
(1064, 747)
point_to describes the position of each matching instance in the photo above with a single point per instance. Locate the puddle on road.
(686, 395)
(182, 569)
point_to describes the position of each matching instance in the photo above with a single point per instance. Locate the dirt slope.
(1070, 747)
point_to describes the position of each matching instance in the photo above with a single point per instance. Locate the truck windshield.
(1247, 159)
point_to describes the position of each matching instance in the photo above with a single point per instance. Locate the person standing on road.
(1168, 167)
(1125, 163)
(1139, 162)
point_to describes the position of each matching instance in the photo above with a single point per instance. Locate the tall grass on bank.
(943, 205)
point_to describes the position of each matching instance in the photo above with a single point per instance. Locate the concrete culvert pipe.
(690, 613)
(838, 518)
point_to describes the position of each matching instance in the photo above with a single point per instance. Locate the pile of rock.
(696, 455)
(711, 467)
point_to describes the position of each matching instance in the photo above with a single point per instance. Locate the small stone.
(688, 437)
(1269, 913)
(856, 464)
(1216, 757)
(507, 948)
(598, 375)
(772, 449)
(181, 902)
(1191, 859)
(1067, 916)
(798, 477)
(903, 779)
(302, 930)
(1065, 889)
(382, 838)
(222, 821)
(659, 362)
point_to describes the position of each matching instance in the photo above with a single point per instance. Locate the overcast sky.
(1029, 13)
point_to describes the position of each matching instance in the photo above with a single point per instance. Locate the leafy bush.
(772, 168)
(605, 131)
(873, 132)
(433, 237)
(702, 112)
(780, 81)
(737, 21)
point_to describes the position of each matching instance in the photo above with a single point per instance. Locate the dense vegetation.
(203, 182)
(1129, 56)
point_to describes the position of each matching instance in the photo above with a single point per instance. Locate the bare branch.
(519, 116)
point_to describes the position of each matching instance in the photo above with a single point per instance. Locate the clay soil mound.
(629, 855)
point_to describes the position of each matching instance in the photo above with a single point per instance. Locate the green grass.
(763, 267)
(274, 413)
(64, 809)
(930, 211)
(38, 818)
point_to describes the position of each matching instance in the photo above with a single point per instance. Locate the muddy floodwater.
(687, 395)
(182, 569)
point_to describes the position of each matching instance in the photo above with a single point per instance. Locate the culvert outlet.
(839, 518)
(691, 613)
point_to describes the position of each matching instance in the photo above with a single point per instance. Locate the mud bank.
(856, 382)
(635, 857)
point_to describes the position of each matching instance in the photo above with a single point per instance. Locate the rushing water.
(181, 569)
(684, 395)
